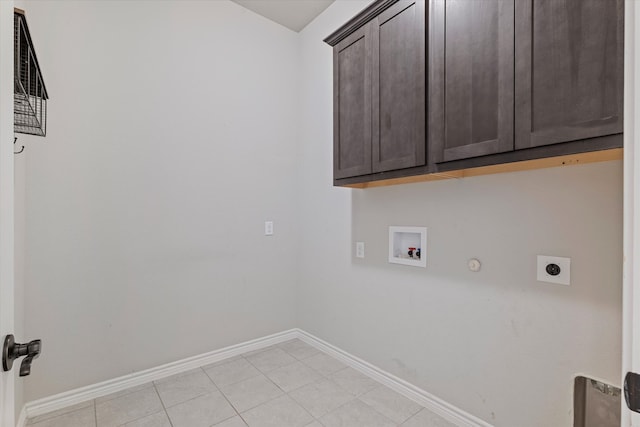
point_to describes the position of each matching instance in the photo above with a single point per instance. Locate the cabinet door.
(352, 105)
(472, 77)
(569, 70)
(398, 87)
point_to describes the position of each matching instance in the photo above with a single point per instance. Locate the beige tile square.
(72, 408)
(159, 419)
(353, 381)
(356, 414)
(182, 387)
(280, 412)
(324, 364)
(293, 376)
(203, 411)
(232, 372)
(85, 417)
(130, 407)
(271, 359)
(250, 393)
(427, 418)
(299, 349)
(391, 404)
(321, 397)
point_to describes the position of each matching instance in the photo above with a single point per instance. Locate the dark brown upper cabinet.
(497, 81)
(509, 79)
(569, 70)
(379, 89)
(398, 87)
(352, 105)
(472, 77)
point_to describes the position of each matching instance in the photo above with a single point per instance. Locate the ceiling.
(293, 14)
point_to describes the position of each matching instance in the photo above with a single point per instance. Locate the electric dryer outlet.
(553, 269)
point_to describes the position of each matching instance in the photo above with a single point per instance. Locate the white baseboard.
(79, 395)
(72, 397)
(410, 391)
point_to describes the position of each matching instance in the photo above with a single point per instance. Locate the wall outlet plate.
(359, 249)
(546, 272)
(268, 228)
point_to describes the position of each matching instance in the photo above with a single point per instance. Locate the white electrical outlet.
(268, 228)
(553, 269)
(359, 249)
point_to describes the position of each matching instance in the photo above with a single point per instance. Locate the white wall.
(171, 140)
(496, 343)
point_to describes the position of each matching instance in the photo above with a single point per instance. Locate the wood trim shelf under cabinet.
(549, 162)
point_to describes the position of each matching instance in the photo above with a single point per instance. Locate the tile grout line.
(410, 418)
(153, 384)
(185, 401)
(382, 385)
(303, 408)
(265, 373)
(188, 400)
(95, 412)
(225, 398)
(122, 393)
(317, 371)
(143, 416)
(335, 409)
(222, 362)
(239, 381)
(250, 363)
(281, 345)
(260, 404)
(243, 420)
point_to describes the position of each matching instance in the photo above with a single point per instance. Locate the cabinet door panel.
(569, 70)
(398, 87)
(352, 105)
(472, 78)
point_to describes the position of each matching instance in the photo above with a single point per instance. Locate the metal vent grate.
(30, 94)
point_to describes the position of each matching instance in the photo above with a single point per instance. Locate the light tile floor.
(286, 385)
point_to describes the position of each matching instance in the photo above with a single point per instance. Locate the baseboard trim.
(422, 397)
(410, 391)
(79, 395)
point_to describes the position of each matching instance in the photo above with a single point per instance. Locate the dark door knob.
(632, 391)
(11, 350)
